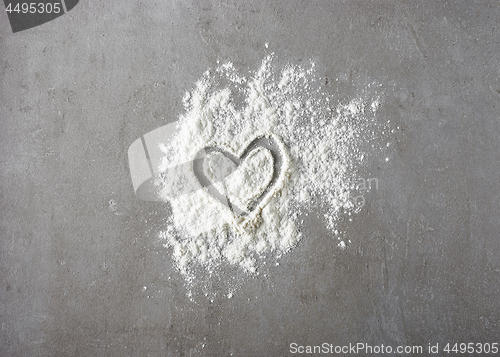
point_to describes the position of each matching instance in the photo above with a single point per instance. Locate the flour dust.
(319, 140)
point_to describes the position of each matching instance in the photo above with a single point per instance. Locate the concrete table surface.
(77, 248)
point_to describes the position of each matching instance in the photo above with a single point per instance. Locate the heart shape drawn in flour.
(275, 158)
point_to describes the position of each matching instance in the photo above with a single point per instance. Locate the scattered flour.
(320, 141)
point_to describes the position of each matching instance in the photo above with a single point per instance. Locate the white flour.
(320, 144)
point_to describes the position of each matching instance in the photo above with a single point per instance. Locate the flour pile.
(320, 144)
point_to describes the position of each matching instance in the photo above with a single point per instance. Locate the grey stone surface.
(77, 247)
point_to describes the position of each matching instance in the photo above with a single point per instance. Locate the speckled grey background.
(77, 247)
